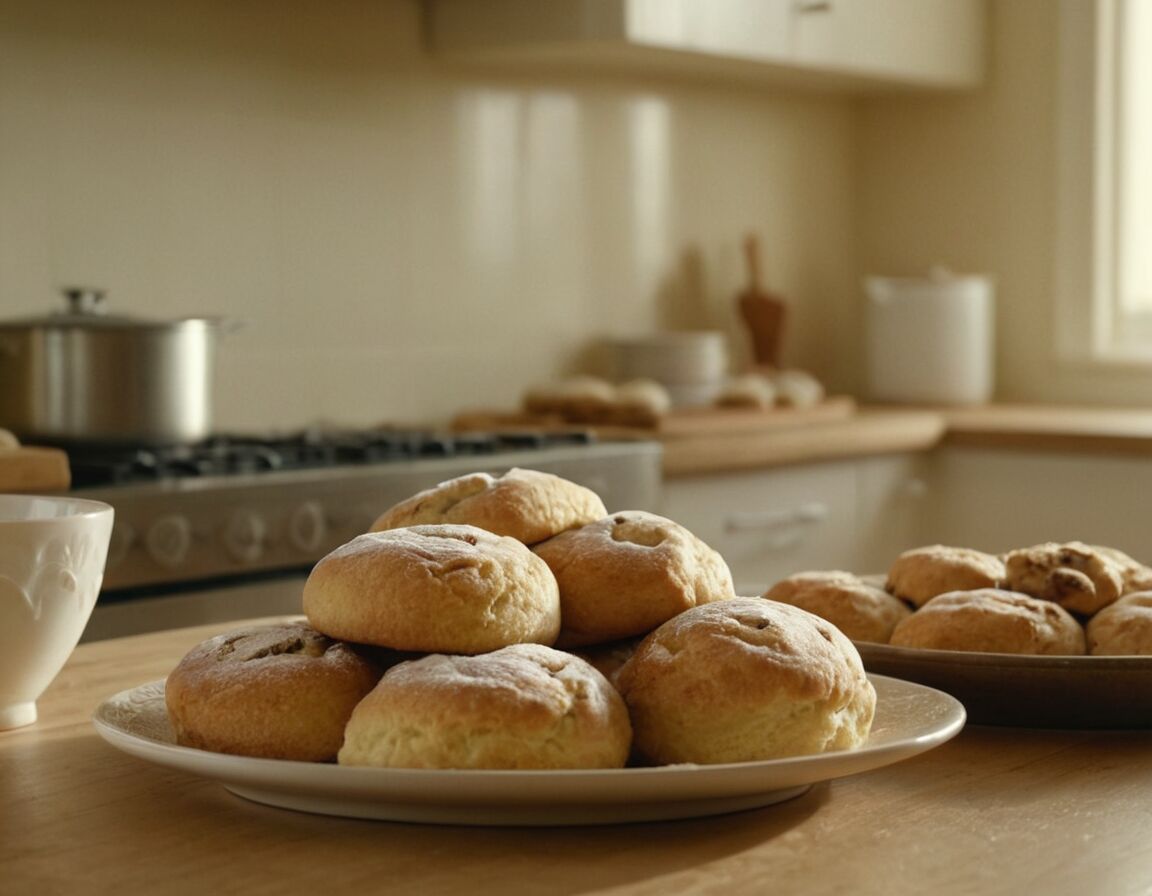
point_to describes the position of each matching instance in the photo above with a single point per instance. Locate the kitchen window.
(1104, 267)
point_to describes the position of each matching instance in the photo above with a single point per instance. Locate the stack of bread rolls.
(511, 622)
(1049, 599)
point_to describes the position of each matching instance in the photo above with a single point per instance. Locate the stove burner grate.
(229, 455)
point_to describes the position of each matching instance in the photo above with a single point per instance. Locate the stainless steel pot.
(84, 374)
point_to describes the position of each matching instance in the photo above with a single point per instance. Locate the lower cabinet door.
(770, 524)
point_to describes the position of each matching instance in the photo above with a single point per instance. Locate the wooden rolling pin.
(763, 312)
(29, 469)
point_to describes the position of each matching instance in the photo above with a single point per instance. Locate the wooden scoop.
(763, 311)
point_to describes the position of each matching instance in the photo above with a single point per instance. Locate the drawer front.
(768, 525)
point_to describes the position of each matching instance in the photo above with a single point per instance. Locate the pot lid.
(86, 309)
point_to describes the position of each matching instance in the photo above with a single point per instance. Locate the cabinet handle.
(813, 512)
(806, 6)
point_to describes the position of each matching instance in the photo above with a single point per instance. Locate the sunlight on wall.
(650, 128)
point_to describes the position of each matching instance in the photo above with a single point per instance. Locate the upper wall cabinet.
(843, 43)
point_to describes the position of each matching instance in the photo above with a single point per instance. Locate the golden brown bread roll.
(522, 707)
(863, 612)
(434, 589)
(991, 620)
(625, 574)
(743, 680)
(1134, 575)
(527, 505)
(608, 659)
(1077, 576)
(276, 691)
(920, 574)
(1123, 628)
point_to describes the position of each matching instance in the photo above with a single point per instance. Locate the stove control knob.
(307, 527)
(244, 536)
(123, 535)
(168, 539)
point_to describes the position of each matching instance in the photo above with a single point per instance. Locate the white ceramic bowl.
(52, 553)
(673, 357)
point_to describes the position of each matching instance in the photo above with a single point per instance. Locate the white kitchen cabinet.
(854, 515)
(928, 41)
(853, 43)
(996, 500)
(894, 492)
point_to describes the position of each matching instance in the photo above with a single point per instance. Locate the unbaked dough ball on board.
(521, 707)
(743, 680)
(434, 589)
(527, 505)
(625, 574)
(750, 390)
(580, 399)
(276, 691)
(862, 611)
(641, 402)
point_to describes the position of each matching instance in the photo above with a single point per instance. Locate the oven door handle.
(785, 528)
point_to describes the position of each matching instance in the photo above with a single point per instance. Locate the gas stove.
(204, 525)
(102, 464)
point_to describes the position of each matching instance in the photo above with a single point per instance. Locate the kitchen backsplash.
(402, 238)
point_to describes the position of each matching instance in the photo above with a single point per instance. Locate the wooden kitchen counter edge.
(993, 810)
(866, 432)
(877, 429)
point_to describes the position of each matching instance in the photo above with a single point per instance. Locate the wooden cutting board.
(688, 422)
(681, 423)
(31, 469)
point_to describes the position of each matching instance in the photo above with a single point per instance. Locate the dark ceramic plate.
(1028, 691)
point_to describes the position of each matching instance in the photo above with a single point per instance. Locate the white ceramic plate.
(1028, 691)
(910, 719)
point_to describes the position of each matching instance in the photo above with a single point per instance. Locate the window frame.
(1091, 327)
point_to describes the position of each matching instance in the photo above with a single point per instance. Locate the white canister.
(930, 339)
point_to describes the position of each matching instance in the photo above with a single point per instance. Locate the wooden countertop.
(992, 811)
(892, 429)
(866, 432)
(1051, 428)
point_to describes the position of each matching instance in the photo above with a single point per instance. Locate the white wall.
(404, 239)
(970, 181)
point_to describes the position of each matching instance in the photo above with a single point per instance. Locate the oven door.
(272, 596)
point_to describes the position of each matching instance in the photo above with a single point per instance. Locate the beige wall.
(970, 181)
(404, 239)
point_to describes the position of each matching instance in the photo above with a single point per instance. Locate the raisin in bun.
(625, 574)
(276, 691)
(743, 680)
(1077, 576)
(434, 589)
(522, 707)
(527, 505)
